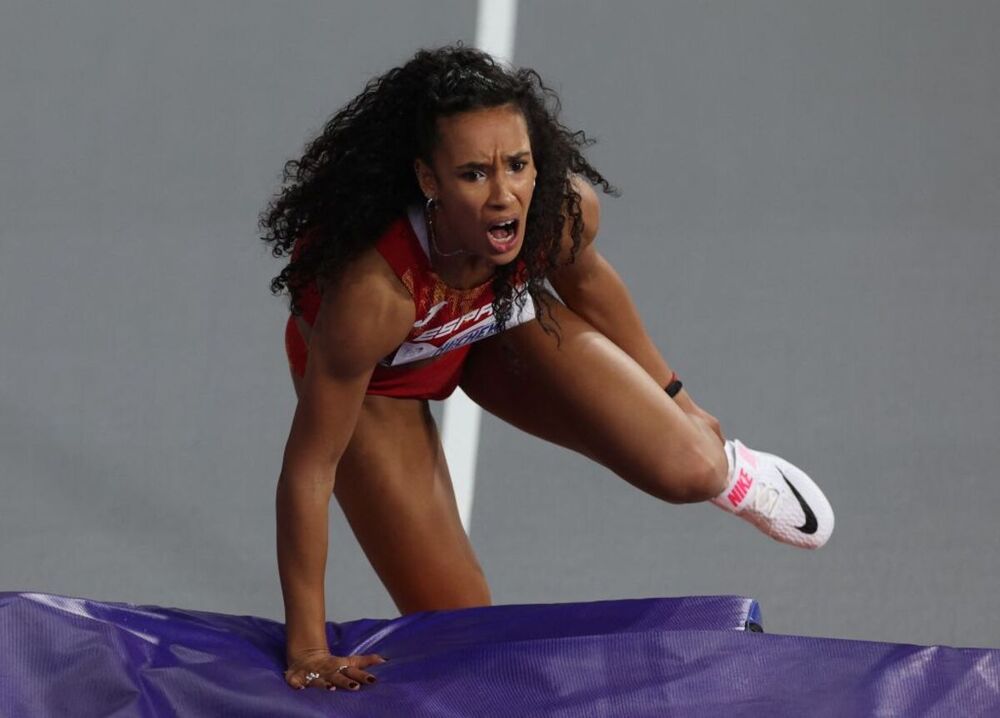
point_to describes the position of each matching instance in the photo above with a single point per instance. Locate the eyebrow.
(480, 165)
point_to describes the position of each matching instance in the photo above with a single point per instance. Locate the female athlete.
(424, 224)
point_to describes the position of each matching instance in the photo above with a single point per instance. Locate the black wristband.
(674, 387)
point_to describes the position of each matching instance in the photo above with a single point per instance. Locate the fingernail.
(370, 679)
(331, 688)
(354, 686)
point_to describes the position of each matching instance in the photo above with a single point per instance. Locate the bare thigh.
(394, 488)
(584, 393)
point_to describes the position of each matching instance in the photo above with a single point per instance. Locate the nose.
(501, 193)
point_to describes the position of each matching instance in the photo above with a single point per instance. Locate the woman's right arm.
(363, 317)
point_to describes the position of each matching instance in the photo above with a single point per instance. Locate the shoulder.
(364, 314)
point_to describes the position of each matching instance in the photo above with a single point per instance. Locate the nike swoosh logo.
(810, 526)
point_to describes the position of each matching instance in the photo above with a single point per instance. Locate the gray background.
(809, 225)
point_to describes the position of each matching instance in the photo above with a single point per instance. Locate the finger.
(299, 680)
(294, 679)
(371, 659)
(339, 679)
(358, 674)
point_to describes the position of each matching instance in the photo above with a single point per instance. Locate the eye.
(518, 165)
(472, 175)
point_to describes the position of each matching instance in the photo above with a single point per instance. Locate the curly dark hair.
(357, 176)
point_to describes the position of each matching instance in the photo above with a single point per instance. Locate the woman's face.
(482, 174)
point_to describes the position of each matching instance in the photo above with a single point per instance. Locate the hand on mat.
(319, 669)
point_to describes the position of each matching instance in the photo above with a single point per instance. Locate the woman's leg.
(586, 394)
(394, 488)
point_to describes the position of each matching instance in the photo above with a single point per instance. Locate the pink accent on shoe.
(747, 455)
(740, 488)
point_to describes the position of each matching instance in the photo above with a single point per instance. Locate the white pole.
(495, 24)
(495, 28)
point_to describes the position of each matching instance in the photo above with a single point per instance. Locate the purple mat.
(643, 657)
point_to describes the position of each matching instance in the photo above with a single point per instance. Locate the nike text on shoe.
(776, 497)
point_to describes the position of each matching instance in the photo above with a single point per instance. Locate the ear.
(425, 178)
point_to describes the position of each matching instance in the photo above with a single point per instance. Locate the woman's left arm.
(591, 287)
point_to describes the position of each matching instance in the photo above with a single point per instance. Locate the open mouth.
(503, 234)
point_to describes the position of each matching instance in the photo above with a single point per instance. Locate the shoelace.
(766, 500)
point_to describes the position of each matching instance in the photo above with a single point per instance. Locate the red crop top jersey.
(428, 364)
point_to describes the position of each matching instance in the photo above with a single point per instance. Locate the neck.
(458, 268)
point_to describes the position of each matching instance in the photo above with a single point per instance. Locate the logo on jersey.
(470, 327)
(455, 324)
(431, 313)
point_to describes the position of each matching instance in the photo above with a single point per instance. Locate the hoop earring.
(429, 218)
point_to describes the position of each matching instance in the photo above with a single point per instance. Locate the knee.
(701, 476)
(714, 425)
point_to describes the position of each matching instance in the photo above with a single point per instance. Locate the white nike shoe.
(776, 497)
